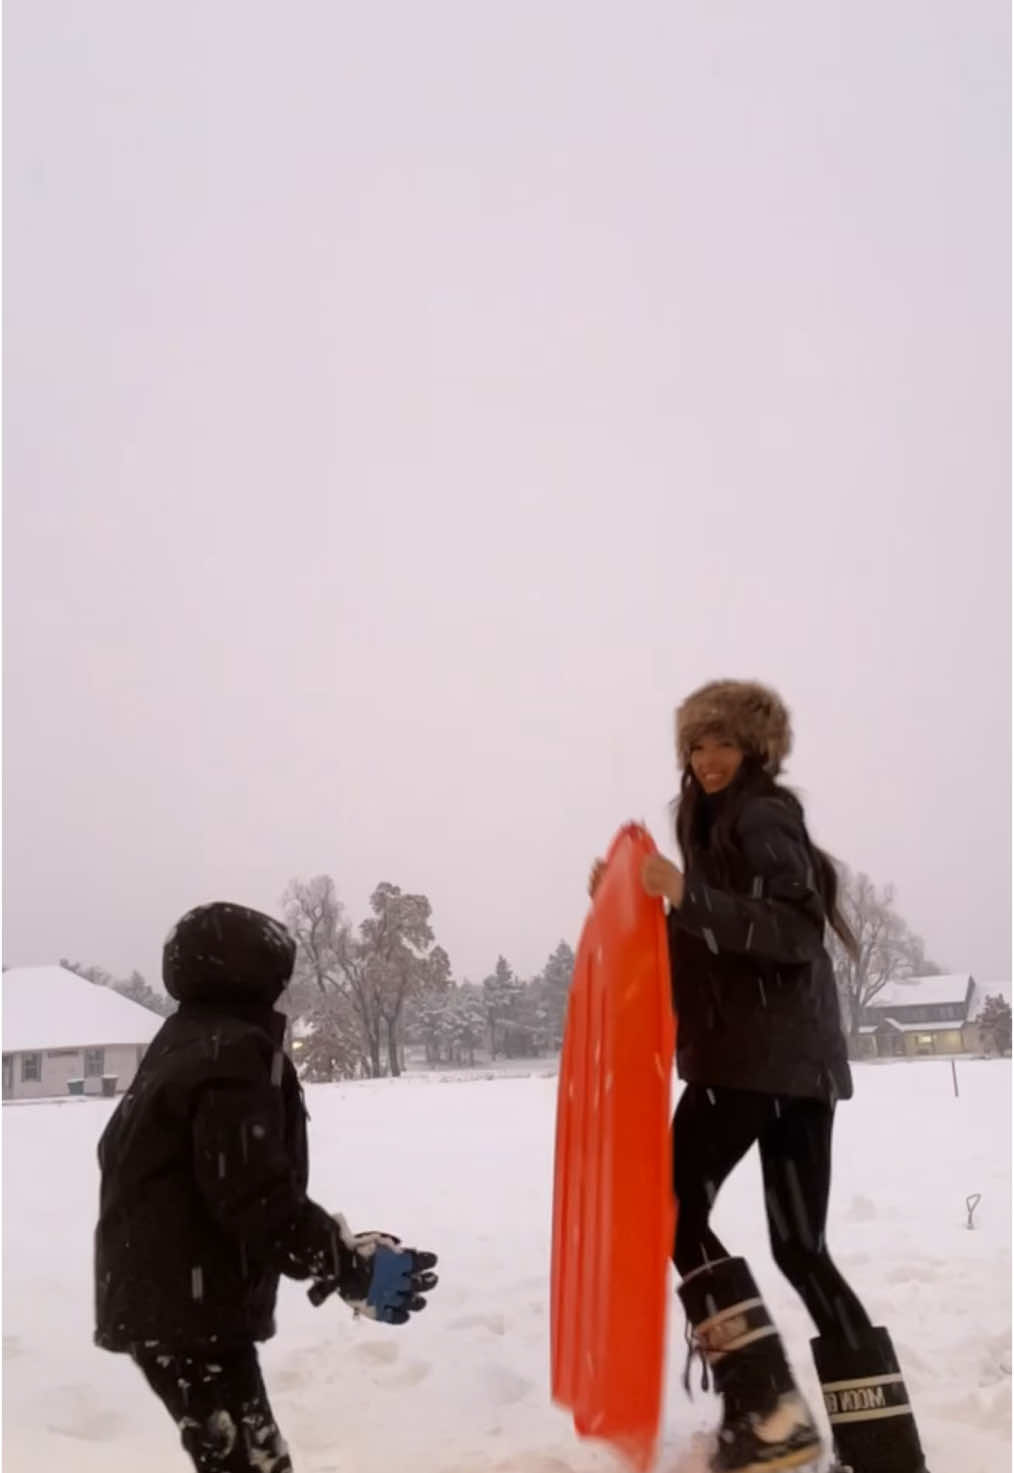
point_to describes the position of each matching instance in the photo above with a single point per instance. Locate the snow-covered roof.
(50, 1008)
(980, 991)
(921, 992)
(938, 1025)
(884, 1023)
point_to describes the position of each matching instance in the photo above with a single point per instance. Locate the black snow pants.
(220, 1406)
(712, 1130)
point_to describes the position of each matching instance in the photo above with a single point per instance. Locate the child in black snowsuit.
(762, 1052)
(203, 1199)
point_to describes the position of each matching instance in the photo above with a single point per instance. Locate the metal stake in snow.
(970, 1205)
(954, 1075)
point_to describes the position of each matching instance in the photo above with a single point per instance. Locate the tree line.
(135, 987)
(362, 994)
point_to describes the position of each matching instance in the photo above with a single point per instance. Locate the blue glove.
(378, 1277)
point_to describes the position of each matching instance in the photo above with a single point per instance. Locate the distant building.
(925, 1016)
(59, 1028)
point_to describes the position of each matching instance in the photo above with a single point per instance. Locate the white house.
(926, 1015)
(58, 1028)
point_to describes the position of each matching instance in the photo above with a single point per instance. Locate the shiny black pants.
(712, 1130)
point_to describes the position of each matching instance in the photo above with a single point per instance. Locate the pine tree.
(502, 992)
(995, 1024)
(556, 982)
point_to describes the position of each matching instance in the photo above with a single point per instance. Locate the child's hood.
(221, 952)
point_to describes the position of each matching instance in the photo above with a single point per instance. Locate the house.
(924, 1016)
(59, 1028)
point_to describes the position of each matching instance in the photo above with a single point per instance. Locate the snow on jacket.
(204, 1174)
(753, 985)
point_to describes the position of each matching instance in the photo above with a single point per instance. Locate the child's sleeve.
(783, 920)
(246, 1178)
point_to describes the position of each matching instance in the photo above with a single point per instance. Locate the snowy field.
(465, 1167)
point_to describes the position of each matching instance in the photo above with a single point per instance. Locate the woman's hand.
(598, 869)
(661, 878)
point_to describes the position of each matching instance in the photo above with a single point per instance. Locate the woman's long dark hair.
(711, 829)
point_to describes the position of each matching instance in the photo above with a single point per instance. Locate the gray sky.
(407, 404)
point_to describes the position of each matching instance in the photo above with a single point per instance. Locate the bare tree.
(329, 987)
(389, 961)
(886, 948)
(360, 983)
(316, 918)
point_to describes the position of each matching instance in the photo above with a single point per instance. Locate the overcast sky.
(408, 403)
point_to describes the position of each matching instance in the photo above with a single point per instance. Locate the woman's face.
(714, 761)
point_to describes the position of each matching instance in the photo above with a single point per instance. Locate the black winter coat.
(203, 1198)
(753, 986)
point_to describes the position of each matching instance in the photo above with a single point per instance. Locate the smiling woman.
(715, 760)
(763, 1053)
(761, 1048)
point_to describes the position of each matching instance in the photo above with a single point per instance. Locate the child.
(203, 1199)
(761, 1048)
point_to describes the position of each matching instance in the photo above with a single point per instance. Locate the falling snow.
(468, 1171)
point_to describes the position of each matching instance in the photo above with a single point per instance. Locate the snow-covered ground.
(465, 1167)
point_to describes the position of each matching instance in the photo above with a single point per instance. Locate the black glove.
(378, 1277)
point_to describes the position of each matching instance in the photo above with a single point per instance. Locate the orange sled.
(613, 1208)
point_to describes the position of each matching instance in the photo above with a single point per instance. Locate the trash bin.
(75, 1086)
(109, 1085)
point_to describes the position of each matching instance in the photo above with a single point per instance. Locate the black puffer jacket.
(204, 1162)
(753, 986)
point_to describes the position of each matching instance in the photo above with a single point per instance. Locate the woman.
(762, 1053)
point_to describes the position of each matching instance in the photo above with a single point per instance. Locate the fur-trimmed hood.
(752, 715)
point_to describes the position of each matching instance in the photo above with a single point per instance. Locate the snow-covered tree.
(995, 1024)
(555, 983)
(331, 1045)
(467, 1024)
(389, 961)
(502, 993)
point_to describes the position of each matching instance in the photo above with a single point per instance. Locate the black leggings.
(220, 1406)
(712, 1130)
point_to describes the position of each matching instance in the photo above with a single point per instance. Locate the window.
(924, 1043)
(8, 1073)
(94, 1063)
(31, 1068)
